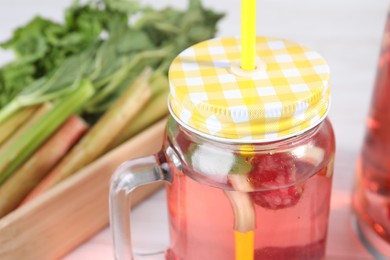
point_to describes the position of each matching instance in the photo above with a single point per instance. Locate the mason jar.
(247, 156)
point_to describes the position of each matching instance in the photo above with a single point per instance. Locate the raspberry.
(312, 251)
(274, 172)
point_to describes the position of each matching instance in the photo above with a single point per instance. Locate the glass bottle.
(371, 200)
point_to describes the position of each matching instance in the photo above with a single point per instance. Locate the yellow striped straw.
(248, 34)
(245, 240)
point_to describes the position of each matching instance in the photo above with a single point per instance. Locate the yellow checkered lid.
(286, 95)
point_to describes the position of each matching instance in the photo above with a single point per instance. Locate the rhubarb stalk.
(26, 178)
(12, 124)
(153, 111)
(29, 122)
(102, 134)
(30, 141)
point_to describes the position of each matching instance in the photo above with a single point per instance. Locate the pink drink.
(372, 192)
(248, 155)
(201, 222)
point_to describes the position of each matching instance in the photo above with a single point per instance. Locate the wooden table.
(347, 33)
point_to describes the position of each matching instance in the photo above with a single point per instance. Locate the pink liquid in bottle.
(372, 193)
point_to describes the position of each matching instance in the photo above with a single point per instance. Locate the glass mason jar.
(243, 198)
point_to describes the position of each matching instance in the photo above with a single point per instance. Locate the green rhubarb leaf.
(133, 40)
(28, 42)
(124, 6)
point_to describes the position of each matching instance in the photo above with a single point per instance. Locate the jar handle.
(127, 177)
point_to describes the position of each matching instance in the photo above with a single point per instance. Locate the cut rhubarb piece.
(243, 209)
(244, 212)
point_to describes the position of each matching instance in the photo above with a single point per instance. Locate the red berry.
(310, 251)
(276, 174)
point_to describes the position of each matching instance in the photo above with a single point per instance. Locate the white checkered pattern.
(289, 95)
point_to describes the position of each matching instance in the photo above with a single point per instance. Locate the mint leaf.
(242, 165)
